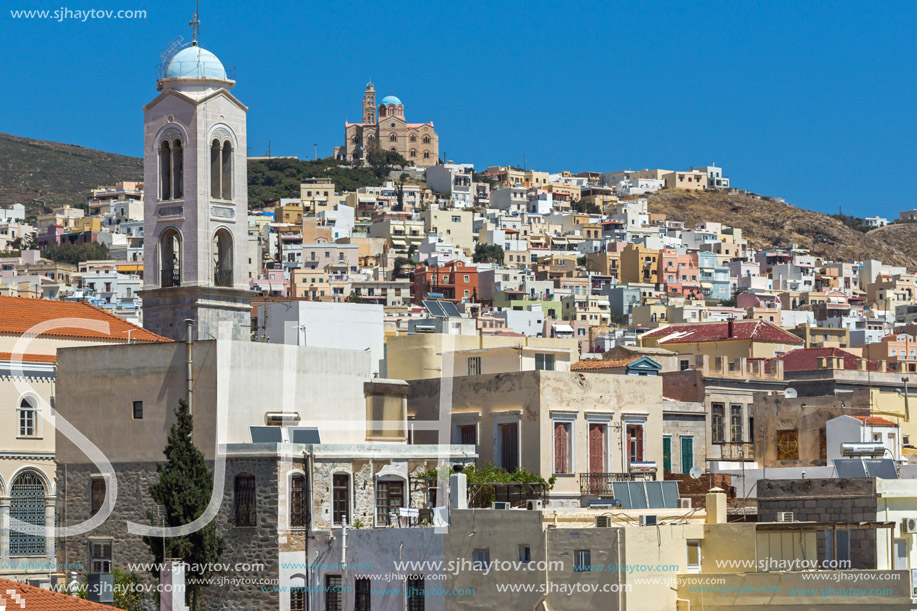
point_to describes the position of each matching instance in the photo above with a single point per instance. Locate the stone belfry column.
(369, 105)
(50, 524)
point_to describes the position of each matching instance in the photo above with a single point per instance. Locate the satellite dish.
(789, 393)
(695, 472)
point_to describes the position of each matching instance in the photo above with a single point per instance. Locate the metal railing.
(600, 483)
(170, 277)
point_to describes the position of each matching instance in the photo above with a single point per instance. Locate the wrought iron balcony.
(599, 484)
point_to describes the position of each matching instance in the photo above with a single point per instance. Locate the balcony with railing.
(599, 484)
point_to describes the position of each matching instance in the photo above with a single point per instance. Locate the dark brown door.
(597, 448)
(510, 441)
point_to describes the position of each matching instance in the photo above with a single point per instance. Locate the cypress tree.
(183, 493)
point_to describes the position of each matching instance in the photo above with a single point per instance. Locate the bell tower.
(195, 201)
(369, 105)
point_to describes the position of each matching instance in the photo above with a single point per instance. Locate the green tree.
(75, 253)
(488, 253)
(183, 493)
(399, 265)
(355, 296)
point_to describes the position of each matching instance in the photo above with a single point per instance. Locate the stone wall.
(697, 489)
(826, 500)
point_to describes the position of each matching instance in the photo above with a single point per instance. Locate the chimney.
(172, 578)
(821, 362)
(861, 364)
(716, 506)
(730, 327)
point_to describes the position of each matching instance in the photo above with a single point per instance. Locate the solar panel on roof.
(670, 494)
(266, 434)
(654, 498)
(849, 467)
(881, 467)
(621, 493)
(638, 498)
(305, 434)
(450, 309)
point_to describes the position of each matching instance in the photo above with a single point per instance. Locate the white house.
(862, 429)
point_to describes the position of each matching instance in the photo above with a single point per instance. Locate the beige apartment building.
(319, 195)
(584, 429)
(455, 226)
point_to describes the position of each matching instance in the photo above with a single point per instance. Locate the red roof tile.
(875, 421)
(19, 315)
(758, 330)
(592, 364)
(29, 358)
(806, 359)
(15, 595)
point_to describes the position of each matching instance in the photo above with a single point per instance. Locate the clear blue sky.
(810, 101)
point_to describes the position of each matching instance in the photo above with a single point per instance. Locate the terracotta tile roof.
(806, 359)
(19, 314)
(758, 330)
(29, 358)
(593, 364)
(15, 595)
(875, 421)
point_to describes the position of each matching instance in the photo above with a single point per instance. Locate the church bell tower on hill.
(195, 206)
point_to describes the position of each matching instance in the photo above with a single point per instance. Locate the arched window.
(227, 170)
(371, 137)
(178, 172)
(393, 138)
(413, 137)
(394, 150)
(299, 506)
(215, 165)
(28, 418)
(355, 140)
(165, 171)
(413, 153)
(244, 500)
(171, 170)
(27, 505)
(170, 258)
(221, 170)
(426, 139)
(426, 154)
(222, 258)
(381, 111)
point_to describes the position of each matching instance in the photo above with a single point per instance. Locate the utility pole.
(315, 156)
(907, 411)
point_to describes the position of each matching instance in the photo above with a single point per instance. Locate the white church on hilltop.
(196, 201)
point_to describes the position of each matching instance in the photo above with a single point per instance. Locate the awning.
(563, 329)
(706, 285)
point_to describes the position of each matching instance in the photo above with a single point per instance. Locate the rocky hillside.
(41, 174)
(766, 223)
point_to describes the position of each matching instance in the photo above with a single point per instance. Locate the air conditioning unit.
(281, 418)
(603, 521)
(534, 504)
(909, 526)
(785, 516)
(684, 503)
(648, 520)
(500, 505)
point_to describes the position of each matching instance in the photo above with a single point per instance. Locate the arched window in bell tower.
(178, 174)
(227, 170)
(222, 258)
(215, 169)
(221, 170)
(165, 171)
(170, 258)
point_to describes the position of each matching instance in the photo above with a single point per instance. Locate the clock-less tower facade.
(195, 201)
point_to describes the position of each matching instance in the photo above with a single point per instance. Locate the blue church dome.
(390, 99)
(195, 62)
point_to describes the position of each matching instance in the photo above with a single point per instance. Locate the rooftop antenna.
(195, 23)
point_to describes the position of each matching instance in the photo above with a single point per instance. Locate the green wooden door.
(687, 454)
